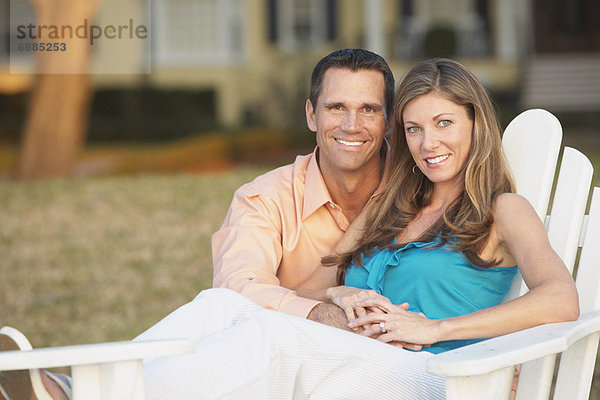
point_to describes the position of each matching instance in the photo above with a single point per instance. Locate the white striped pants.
(244, 351)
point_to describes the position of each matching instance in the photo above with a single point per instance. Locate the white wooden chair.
(485, 370)
(481, 371)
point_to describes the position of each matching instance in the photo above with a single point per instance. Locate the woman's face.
(438, 133)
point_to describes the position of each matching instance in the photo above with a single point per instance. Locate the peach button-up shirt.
(278, 228)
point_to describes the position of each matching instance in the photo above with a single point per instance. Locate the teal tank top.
(437, 281)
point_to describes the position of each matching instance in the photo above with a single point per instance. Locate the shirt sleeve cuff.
(299, 306)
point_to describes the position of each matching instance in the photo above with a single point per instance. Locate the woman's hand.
(400, 325)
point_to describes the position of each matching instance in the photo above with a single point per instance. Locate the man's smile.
(347, 143)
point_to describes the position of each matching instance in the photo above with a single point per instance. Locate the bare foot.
(54, 388)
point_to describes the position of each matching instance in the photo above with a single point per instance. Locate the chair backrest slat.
(568, 208)
(533, 171)
(588, 272)
(577, 363)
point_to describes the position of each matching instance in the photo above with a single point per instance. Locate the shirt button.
(332, 205)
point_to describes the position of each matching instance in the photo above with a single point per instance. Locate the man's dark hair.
(354, 60)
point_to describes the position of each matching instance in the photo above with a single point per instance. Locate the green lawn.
(101, 259)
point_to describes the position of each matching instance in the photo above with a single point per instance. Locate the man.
(276, 231)
(280, 225)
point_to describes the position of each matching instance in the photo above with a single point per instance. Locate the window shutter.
(407, 8)
(331, 19)
(272, 19)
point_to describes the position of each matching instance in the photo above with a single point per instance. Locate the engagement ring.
(382, 327)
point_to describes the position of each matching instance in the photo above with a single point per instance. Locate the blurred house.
(253, 58)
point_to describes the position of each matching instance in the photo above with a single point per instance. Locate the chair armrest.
(92, 354)
(515, 348)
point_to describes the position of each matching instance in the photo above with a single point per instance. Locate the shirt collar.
(315, 190)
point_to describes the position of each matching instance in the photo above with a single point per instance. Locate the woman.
(448, 237)
(436, 255)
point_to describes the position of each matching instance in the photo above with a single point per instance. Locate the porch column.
(512, 29)
(374, 27)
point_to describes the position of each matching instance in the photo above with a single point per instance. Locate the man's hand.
(329, 314)
(347, 298)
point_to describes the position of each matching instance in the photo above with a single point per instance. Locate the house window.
(461, 26)
(300, 24)
(198, 32)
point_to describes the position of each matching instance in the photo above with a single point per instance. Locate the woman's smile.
(434, 162)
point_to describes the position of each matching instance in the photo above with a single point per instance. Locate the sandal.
(26, 384)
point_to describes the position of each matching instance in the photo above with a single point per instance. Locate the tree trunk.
(56, 123)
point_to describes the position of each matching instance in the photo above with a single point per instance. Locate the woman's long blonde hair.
(465, 224)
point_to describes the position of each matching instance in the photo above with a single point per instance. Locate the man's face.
(349, 120)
